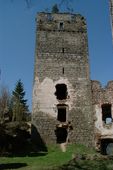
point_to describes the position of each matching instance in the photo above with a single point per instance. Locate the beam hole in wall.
(106, 113)
(61, 91)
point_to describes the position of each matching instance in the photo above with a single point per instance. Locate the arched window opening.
(61, 91)
(106, 113)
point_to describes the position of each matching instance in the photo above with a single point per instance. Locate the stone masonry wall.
(62, 58)
(102, 96)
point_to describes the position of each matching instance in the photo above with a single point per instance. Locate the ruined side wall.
(102, 96)
(62, 58)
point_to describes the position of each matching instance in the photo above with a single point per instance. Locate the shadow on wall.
(37, 141)
(12, 166)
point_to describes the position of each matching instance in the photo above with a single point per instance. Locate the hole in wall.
(61, 134)
(106, 113)
(107, 146)
(61, 91)
(62, 112)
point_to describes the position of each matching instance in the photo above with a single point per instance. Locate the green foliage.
(19, 104)
(55, 9)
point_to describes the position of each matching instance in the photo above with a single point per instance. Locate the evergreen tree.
(19, 104)
(55, 9)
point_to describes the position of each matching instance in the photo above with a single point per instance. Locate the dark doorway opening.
(107, 146)
(61, 134)
(61, 91)
(106, 113)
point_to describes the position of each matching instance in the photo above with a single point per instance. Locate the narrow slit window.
(62, 50)
(61, 25)
(63, 70)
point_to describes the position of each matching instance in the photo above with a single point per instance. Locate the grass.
(41, 161)
(55, 158)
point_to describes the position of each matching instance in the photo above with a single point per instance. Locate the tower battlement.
(61, 22)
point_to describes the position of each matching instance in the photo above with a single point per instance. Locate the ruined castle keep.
(62, 89)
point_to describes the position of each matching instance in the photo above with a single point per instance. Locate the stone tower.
(62, 86)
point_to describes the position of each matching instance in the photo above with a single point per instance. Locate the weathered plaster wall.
(46, 99)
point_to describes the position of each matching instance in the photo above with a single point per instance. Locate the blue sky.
(17, 40)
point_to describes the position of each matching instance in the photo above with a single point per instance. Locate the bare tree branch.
(4, 102)
(28, 2)
(67, 3)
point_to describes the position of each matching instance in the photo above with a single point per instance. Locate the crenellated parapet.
(101, 94)
(110, 85)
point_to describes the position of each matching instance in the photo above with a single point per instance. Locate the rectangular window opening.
(106, 113)
(61, 114)
(61, 91)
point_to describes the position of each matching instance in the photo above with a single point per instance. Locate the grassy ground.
(55, 158)
(40, 161)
